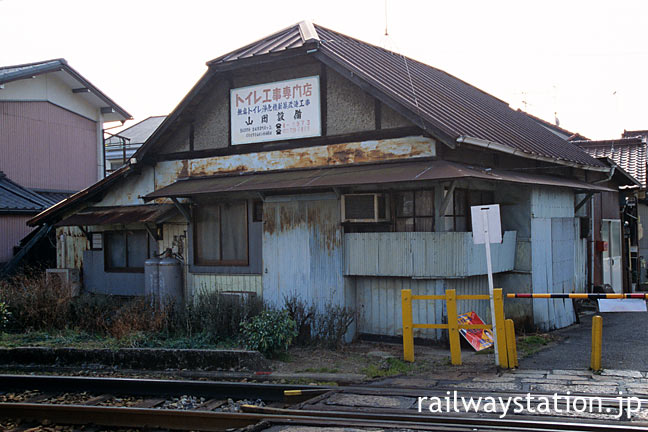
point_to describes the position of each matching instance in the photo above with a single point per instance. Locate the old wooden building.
(310, 163)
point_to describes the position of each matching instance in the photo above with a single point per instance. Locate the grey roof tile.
(628, 153)
(16, 198)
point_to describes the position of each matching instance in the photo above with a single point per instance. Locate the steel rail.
(144, 387)
(216, 389)
(219, 421)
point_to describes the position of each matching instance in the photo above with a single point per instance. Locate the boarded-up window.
(220, 234)
(414, 211)
(126, 250)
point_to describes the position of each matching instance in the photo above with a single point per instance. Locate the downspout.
(609, 177)
(101, 150)
(592, 245)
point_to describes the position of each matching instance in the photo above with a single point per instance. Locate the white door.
(612, 272)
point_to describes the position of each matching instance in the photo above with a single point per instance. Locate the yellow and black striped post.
(594, 296)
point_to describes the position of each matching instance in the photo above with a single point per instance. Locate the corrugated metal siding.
(302, 250)
(553, 270)
(12, 229)
(378, 300)
(44, 146)
(70, 245)
(552, 202)
(424, 254)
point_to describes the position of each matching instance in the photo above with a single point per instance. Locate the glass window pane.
(460, 202)
(448, 223)
(424, 201)
(424, 224)
(404, 204)
(234, 231)
(605, 236)
(115, 250)
(136, 242)
(207, 234)
(615, 237)
(460, 224)
(405, 224)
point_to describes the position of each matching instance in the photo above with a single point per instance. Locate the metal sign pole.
(491, 285)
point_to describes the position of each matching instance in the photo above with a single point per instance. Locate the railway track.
(92, 401)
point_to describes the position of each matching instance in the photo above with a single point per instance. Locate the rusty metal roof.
(150, 213)
(628, 153)
(78, 198)
(374, 174)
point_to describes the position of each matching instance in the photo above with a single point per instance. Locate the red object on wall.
(601, 246)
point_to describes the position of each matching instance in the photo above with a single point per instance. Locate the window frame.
(466, 204)
(196, 261)
(414, 215)
(106, 250)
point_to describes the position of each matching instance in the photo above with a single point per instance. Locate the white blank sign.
(622, 305)
(494, 224)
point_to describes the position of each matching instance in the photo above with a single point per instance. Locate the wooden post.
(597, 336)
(498, 326)
(511, 345)
(408, 330)
(453, 327)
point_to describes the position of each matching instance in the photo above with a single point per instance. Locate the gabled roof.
(93, 94)
(448, 108)
(18, 199)
(628, 153)
(139, 132)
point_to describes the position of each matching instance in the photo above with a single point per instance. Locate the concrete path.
(625, 345)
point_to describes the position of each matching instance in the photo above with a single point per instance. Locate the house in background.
(621, 237)
(121, 146)
(310, 163)
(51, 140)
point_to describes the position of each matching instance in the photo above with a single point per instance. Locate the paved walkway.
(625, 344)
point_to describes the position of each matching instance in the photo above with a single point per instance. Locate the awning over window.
(150, 213)
(326, 178)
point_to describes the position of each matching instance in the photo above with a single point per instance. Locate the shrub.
(325, 328)
(36, 303)
(303, 315)
(213, 315)
(333, 324)
(270, 332)
(4, 315)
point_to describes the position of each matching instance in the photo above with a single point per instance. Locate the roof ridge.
(60, 60)
(308, 31)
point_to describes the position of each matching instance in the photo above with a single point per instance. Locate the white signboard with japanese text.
(281, 110)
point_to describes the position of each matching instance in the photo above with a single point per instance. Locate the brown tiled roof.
(628, 153)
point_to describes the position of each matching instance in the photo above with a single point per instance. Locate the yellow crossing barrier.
(453, 325)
